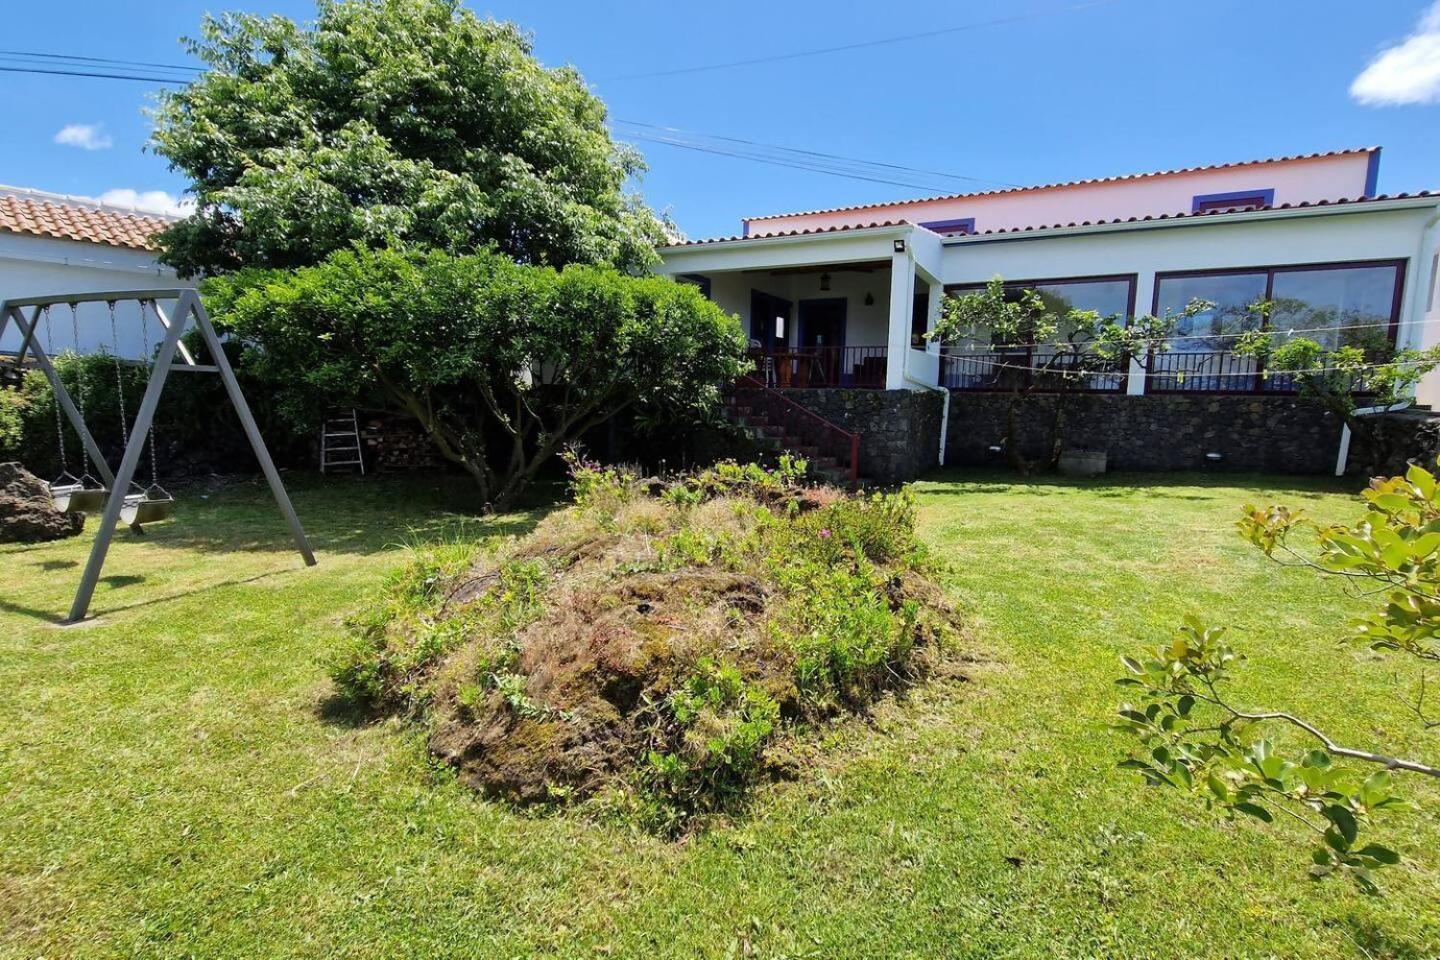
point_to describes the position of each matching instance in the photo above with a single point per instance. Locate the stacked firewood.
(395, 444)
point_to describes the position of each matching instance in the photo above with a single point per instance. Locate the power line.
(93, 74)
(1183, 375)
(1176, 338)
(809, 154)
(794, 165)
(859, 45)
(37, 55)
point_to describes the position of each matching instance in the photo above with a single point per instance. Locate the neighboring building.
(842, 298)
(52, 244)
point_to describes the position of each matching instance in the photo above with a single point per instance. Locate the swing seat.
(73, 495)
(147, 507)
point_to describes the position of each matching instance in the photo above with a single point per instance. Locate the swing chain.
(119, 378)
(59, 421)
(145, 338)
(80, 393)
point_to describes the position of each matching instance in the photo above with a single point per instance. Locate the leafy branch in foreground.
(1196, 737)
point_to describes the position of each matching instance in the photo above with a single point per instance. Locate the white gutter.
(945, 408)
(1342, 458)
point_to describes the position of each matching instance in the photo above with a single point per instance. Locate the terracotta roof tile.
(1148, 218)
(1069, 183)
(76, 218)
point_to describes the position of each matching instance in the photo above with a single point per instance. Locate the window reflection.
(1344, 307)
(1107, 297)
(1231, 293)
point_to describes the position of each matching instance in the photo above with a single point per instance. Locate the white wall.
(39, 266)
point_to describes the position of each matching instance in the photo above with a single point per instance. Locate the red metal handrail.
(792, 411)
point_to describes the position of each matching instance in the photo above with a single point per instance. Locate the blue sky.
(1120, 86)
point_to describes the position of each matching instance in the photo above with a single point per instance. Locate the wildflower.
(825, 533)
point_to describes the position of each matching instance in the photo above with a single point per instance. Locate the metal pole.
(165, 322)
(121, 484)
(68, 405)
(30, 333)
(189, 301)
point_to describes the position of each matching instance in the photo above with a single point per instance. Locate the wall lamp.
(899, 246)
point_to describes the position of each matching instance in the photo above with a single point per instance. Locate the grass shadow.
(19, 609)
(1375, 942)
(339, 515)
(338, 710)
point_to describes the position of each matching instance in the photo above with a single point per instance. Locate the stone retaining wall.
(1220, 433)
(899, 429)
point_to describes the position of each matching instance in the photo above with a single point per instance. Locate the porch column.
(1144, 296)
(902, 301)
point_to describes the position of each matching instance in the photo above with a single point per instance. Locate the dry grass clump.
(651, 643)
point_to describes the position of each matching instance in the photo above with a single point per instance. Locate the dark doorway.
(769, 321)
(822, 338)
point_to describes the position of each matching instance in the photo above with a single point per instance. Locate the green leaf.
(1379, 854)
(1344, 822)
(1256, 811)
(1376, 788)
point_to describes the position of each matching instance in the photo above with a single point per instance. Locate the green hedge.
(196, 430)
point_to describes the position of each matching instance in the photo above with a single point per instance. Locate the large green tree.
(501, 364)
(388, 122)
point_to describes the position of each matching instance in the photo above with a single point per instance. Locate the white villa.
(842, 297)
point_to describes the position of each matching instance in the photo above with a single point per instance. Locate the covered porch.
(841, 309)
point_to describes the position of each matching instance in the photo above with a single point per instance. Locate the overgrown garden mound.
(653, 644)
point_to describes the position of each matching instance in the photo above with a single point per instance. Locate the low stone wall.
(1391, 442)
(1257, 434)
(899, 429)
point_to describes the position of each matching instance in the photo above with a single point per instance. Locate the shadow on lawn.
(349, 515)
(1170, 486)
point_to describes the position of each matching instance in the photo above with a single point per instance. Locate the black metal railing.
(861, 368)
(1032, 368)
(1212, 371)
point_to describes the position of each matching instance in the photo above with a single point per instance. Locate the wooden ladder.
(340, 443)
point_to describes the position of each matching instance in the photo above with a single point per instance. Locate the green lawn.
(172, 783)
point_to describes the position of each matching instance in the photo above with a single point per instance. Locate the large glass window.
(1107, 296)
(1334, 304)
(1231, 293)
(1337, 307)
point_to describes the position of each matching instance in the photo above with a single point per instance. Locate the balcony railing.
(804, 367)
(1032, 369)
(1215, 371)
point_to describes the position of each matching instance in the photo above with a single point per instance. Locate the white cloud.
(148, 201)
(1406, 73)
(86, 136)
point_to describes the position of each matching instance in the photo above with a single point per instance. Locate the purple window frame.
(1202, 202)
(964, 225)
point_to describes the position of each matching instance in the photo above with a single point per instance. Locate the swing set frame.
(187, 310)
